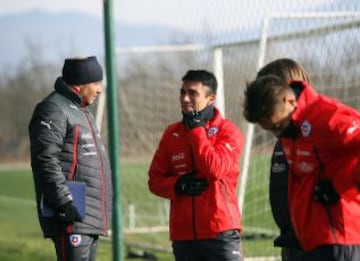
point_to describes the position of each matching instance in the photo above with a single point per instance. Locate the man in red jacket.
(196, 167)
(321, 142)
(288, 70)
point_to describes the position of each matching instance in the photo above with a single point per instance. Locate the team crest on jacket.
(306, 128)
(212, 131)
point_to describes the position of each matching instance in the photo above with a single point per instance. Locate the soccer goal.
(326, 44)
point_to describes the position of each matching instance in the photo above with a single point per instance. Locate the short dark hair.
(261, 97)
(203, 76)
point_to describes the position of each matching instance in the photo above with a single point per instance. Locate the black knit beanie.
(77, 71)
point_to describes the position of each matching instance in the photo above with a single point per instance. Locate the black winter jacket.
(66, 145)
(279, 199)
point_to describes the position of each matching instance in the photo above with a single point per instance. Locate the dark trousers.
(334, 253)
(225, 247)
(75, 247)
(292, 254)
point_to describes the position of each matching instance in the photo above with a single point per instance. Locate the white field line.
(271, 258)
(15, 166)
(18, 201)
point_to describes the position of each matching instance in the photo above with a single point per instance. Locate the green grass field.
(21, 237)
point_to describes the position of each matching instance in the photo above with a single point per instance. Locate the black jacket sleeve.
(47, 130)
(279, 198)
(279, 187)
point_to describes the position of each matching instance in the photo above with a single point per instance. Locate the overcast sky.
(182, 14)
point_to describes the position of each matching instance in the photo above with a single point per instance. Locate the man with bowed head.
(196, 167)
(320, 138)
(66, 146)
(288, 70)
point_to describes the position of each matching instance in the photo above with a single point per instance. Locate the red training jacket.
(328, 147)
(214, 153)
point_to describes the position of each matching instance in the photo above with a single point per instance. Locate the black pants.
(225, 247)
(334, 253)
(75, 247)
(292, 254)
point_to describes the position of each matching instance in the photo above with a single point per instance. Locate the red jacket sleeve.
(345, 128)
(220, 158)
(160, 182)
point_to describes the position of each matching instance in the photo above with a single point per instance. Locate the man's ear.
(76, 88)
(211, 99)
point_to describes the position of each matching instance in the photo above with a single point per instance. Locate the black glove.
(193, 119)
(325, 193)
(198, 119)
(68, 213)
(188, 184)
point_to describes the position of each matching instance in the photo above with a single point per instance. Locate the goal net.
(326, 44)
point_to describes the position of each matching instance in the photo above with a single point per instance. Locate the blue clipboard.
(78, 192)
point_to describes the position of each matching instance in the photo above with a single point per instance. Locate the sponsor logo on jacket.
(305, 167)
(278, 153)
(72, 106)
(303, 152)
(178, 156)
(46, 124)
(278, 168)
(86, 136)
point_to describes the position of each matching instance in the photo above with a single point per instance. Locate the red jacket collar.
(307, 97)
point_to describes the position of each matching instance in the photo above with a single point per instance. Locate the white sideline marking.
(19, 201)
(153, 229)
(271, 258)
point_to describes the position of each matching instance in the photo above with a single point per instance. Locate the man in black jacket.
(66, 146)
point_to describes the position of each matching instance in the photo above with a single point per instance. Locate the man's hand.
(188, 184)
(287, 238)
(68, 213)
(325, 193)
(193, 119)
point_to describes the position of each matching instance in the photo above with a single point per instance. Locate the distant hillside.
(64, 34)
(55, 36)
